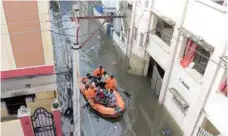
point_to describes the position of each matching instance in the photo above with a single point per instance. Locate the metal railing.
(203, 132)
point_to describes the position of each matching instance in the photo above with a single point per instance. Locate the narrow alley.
(143, 115)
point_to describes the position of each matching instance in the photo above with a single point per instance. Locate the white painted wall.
(170, 8)
(141, 18)
(158, 50)
(209, 23)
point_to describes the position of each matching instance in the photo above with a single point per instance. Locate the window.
(135, 33)
(118, 33)
(220, 2)
(123, 39)
(164, 31)
(141, 40)
(195, 57)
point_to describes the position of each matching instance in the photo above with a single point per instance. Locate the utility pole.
(76, 82)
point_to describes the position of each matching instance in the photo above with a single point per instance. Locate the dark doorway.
(14, 103)
(155, 74)
(150, 69)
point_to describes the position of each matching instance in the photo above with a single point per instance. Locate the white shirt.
(104, 78)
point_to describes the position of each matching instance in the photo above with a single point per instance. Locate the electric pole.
(76, 82)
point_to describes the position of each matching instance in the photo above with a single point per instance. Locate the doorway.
(156, 74)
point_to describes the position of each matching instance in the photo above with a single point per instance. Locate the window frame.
(157, 18)
(197, 57)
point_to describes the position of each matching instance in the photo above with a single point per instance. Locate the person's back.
(91, 92)
(111, 83)
(98, 71)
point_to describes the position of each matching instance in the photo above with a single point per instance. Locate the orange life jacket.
(90, 93)
(98, 72)
(111, 84)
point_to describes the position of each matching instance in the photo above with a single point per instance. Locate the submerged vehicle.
(102, 108)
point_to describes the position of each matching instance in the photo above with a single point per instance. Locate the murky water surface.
(143, 116)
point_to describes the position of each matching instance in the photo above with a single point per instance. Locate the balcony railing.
(203, 132)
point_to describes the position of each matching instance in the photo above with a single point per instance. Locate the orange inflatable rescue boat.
(102, 109)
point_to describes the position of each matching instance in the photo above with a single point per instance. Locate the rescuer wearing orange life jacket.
(90, 92)
(99, 71)
(111, 83)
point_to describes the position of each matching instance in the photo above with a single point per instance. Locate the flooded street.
(143, 116)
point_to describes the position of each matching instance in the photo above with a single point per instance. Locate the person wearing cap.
(99, 71)
(111, 83)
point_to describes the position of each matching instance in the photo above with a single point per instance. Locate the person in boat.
(100, 96)
(84, 91)
(111, 98)
(98, 71)
(89, 80)
(103, 79)
(112, 102)
(86, 79)
(111, 83)
(91, 92)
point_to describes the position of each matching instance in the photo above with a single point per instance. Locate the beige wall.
(43, 7)
(15, 49)
(4, 112)
(27, 46)
(11, 128)
(43, 99)
(7, 58)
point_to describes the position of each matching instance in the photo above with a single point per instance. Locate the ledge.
(196, 39)
(160, 43)
(213, 5)
(179, 99)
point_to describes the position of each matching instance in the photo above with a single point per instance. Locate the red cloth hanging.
(224, 88)
(189, 53)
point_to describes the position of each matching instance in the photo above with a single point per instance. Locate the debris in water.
(115, 127)
(98, 37)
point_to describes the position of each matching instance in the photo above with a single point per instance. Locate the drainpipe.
(168, 72)
(209, 92)
(130, 40)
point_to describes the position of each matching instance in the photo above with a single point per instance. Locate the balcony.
(208, 129)
(159, 50)
(217, 111)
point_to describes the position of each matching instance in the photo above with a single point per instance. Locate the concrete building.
(182, 46)
(27, 63)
